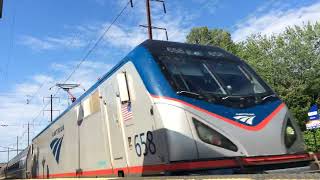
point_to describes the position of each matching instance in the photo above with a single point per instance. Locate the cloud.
(276, 20)
(125, 33)
(36, 43)
(209, 5)
(124, 36)
(128, 35)
(16, 113)
(51, 43)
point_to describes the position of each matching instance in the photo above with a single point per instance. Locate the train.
(170, 108)
(16, 167)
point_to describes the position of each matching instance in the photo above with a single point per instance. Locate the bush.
(309, 140)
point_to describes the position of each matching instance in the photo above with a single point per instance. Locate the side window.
(91, 104)
(86, 107)
(123, 87)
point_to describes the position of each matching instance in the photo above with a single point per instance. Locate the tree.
(214, 37)
(290, 63)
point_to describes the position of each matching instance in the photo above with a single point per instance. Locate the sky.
(42, 41)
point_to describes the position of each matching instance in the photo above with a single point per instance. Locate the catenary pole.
(149, 18)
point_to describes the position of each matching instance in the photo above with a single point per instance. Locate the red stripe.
(126, 115)
(152, 168)
(62, 175)
(204, 164)
(229, 163)
(275, 159)
(97, 172)
(251, 128)
(183, 166)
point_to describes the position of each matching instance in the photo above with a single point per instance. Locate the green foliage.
(309, 140)
(289, 62)
(214, 37)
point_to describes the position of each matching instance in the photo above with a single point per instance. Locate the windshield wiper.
(268, 96)
(228, 97)
(190, 94)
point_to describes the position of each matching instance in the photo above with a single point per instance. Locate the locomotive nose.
(217, 138)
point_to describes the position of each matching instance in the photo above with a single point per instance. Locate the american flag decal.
(126, 111)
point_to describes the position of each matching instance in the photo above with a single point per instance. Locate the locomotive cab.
(213, 105)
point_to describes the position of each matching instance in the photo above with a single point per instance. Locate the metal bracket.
(159, 28)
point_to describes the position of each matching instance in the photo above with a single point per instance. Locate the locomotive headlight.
(210, 136)
(290, 134)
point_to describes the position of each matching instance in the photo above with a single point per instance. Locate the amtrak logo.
(55, 146)
(245, 117)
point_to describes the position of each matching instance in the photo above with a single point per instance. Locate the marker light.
(290, 134)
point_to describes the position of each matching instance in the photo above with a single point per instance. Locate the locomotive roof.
(155, 47)
(18, 157)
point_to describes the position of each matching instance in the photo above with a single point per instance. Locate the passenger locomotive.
(170, 108)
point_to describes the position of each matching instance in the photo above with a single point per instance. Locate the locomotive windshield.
(214, 77)
(207, 74)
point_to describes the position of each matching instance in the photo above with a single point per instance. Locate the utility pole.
(8, 153)
(1, 8)
(149, 23)
(149, 18)
(17, 145)
(51, 106)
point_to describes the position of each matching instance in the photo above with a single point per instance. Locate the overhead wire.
(98, 41)
(6, 147)
(46, 80)
(100, 38)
